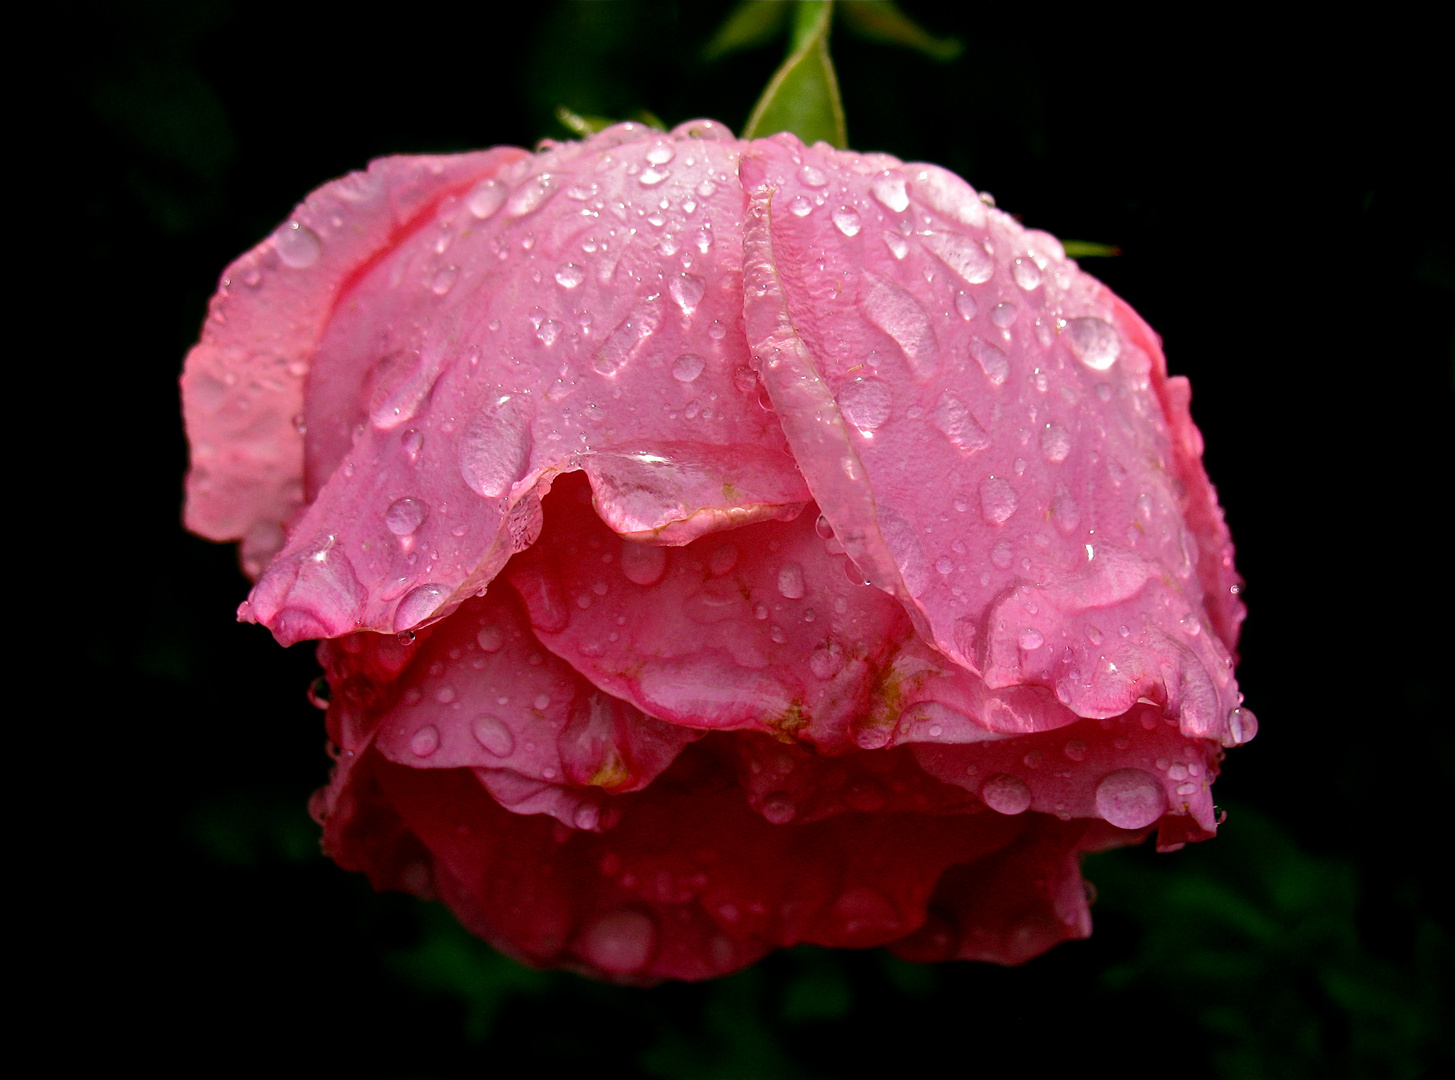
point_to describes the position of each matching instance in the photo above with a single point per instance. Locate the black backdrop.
(1280, 194)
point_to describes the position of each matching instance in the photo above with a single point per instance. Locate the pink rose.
(719, 545)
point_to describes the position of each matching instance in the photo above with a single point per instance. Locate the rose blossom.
(719, 545)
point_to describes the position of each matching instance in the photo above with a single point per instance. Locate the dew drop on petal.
(778, 808)
(1055, 443)
(419, 604)
(570, 275)
(491, 733)
(297, 245)
(687, 367)
(1006, 794)
(404, 516)
(1242, 726)
(619, 942)
(865, 403)
(846, 220)
(490, 638)
(686, 291)
(1130, 799)
(643, 564)
(888, 191)
(425, 741)
(790, 581)
(485, 198)
(998, 500)
(1093, 342)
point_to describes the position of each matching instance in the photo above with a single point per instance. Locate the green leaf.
(882, 21)
(1089, 249)
(750, 24)
(579, 125)
(803, 95)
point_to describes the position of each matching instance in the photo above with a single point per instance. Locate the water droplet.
(444, 280)
(1242, 726)
(491, 733)
(823, 528)
(542, 702)
(569, 276)
(888, 191)
(619, 942)
(653, 176)
(530, 196)
(643, 564)
(622, 343)
(661, 153)
(1093, 342)
(687, 367)
(490, 638)
(686, 291)
(297, 245)
(404, 516)
(993, 362)
(1031, 639)
(812, 176)
(1130, 799)
(953, 418)
(419, 604)
(318, 693)
(425, 741)
(401, 383)
(485, 198)
(1075, 750)
(949, 196)
(1004, 315)
(495, 447)
(1006, 794)
(1002, 554)
(997, 500)
(1026, 273)
(865, 403)
(846, 220)
(904, 319)
(800, 206)
(548, 331)
(964, 255)
(898, 246)
(412, 442)
(966, 306)
(826, 660)
(1055, 443)
(778, 808)
(945, 565)
(445, 694)
(790, 581)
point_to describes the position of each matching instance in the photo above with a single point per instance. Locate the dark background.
(1282, 199)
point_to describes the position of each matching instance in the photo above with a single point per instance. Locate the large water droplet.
(1055, 443)
(865, 403)
(425, 741)
(1130, 799)
(1026, 273)
(779, 809)
(953, 418)
(619, 942)
(966, 306)
(846, 220)
(495, 447)
(1031, 639)
(569, 276)
(297, 245)
(490, 638)
(800, 207)
(1242, 726)
(888, 190)
(687, 367)
(1006, 794)
(404, 516)
(661, 152)
(826, 660)
(444, 280)
(997, 499)
(722, 560)
(622, 343)
(905, 320)
(401, 383)
(530, 196)
(898, 246)
(492, 734)
(812, 176)
(1004, 315)
(1093, 342)
(643, 564)
(485, 198)
(419, 604)
(948, 196)
(686, 291)
(965, 256)
(790, 581)
(993, 362)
